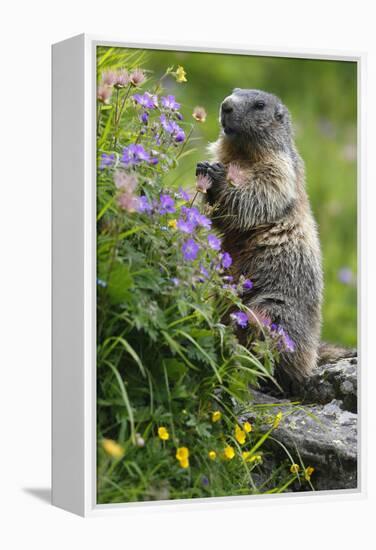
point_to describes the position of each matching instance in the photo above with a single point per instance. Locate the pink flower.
(199, 114)
(137, 77)
(108, 78)
(235, 175)
(104, 93)
(122, 78)
(128, 202)
(124, 181)
(203, 183)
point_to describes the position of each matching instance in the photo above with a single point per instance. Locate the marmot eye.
(259, 105)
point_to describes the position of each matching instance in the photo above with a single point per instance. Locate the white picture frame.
(74, 276)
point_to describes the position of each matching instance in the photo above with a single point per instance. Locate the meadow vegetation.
(175, 417)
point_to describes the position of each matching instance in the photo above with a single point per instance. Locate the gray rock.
(323, 428)
(334, 381)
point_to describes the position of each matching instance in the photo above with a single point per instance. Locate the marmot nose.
(227, 106)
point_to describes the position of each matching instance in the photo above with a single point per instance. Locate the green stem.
(118, 114)
(185, 143)
(193, 200)
(99, 112)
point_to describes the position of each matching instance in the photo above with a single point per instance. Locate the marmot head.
(257, 117)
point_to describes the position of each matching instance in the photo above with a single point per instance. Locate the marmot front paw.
(216, 172)
(202, 168)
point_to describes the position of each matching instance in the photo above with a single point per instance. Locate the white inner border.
(91, 507)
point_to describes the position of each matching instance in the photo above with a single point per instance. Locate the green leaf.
(176, 369)
(119, 283)
(118, 340)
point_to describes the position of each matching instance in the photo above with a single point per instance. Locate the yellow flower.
(112, 448)
(163, 433)
(184, 463)
(294, 468)
(216, 416)
(229, 452)
(277, 420)
(172, 223)
(239, 435)
(182, 455)
(255, 458)
(247, 427)
(308, 472)
(180, 74)
(212, 455)
(246, 455)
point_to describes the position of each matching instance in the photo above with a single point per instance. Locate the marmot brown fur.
(260, 206)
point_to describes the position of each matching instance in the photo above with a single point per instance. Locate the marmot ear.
(279, 112)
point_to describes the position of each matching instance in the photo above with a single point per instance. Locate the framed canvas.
(206, 304)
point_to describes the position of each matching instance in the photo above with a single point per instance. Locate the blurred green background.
(322, 99)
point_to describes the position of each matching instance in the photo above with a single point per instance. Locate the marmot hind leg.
(329, 353)
(297, 363)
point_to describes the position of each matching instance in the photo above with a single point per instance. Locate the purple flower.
(345, 275)
(183, 194)
(171, 127)
(175, 281)
(226, 260)
(144, 205)
(169, 102)
(107, 159)
(167, 205)
(228, 278)
(144, 117)
(179, 135)
(190, 250)
(204, 272)
(214, 242)
(247, 284)
(146, 100)
(191, 214)
(134, 154)
(288, 343)
(203, 221)
(240, 318)
(185, 226)
(205, 481)
(284, 342)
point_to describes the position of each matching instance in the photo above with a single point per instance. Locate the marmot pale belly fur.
(261, 208)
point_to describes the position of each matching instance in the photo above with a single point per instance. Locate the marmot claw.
(202, 168)
(216, 171)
